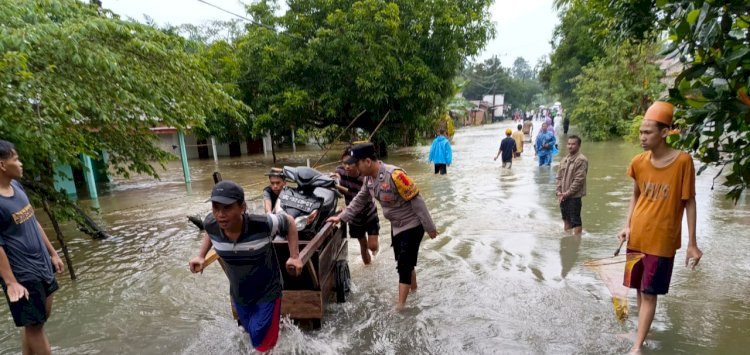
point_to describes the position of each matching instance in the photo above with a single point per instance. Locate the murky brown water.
(501, 278)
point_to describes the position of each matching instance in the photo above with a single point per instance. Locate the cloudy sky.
(524, 28)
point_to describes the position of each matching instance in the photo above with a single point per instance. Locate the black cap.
(276, 172)
(359, 152)
(227, 192)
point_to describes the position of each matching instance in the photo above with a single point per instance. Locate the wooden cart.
(324, 277)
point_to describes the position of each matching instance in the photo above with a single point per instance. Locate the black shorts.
(441, 168)
(406, 247)
(370, 228)
(31, 311)
(571, 211)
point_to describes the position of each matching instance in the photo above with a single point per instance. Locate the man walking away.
(440, 153)
(27, 259)
(507, 149)
(402, 205)
(528, 129)
(518, 137)
(663, 190)
(571, 185)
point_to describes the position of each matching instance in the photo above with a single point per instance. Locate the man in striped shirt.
(365, 226)
(243, 242)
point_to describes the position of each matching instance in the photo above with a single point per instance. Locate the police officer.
(402, 205)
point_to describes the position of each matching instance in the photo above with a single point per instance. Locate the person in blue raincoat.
(545, 145)
(440, 153)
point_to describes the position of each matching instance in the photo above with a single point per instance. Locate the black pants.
(406, 251)
(570, 209)
(441, 168)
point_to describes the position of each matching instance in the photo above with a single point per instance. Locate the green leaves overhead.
(331, 60)
(75, 79)
(606, 107)
(712, 42)
(78, 81)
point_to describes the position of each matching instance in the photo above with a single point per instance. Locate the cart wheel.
(343, 280)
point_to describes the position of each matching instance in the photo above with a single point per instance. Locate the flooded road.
(501, 278)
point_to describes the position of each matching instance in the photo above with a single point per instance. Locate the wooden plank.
(328, 288)
(316, 242)
(327, 260)
(211, 256)
(302, 304)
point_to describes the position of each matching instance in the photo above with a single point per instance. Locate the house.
(496, 105)
(478, 114)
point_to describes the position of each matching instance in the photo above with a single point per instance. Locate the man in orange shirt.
(664, 189)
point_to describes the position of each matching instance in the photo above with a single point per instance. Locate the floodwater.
(501, 278)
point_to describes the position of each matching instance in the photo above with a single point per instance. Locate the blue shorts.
(261, 321)
(545, 159)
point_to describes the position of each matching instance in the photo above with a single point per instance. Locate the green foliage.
(587, 28)
(577, 41)
(486, 78)
(333, 59)
(320, 136)
(519, 84)
(613, 89)
(712, 41)
(635, 129)
(75, 79)
(223, 62)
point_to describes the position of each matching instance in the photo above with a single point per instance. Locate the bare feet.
(372, 244)
(366, 258)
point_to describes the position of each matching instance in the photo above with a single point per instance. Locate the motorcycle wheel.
(343, 281)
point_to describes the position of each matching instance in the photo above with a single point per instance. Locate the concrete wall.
(169, 140)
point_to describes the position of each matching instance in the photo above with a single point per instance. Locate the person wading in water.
(663, 190)
(402, 205)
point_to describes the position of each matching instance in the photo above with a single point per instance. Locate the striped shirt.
(251, 262)
(354, 184)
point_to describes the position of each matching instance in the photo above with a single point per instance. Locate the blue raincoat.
(440, 152)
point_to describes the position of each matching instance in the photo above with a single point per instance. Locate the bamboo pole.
(60, 239)
(378, 126)
(337, 138)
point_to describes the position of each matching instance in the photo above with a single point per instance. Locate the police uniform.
(402, 205)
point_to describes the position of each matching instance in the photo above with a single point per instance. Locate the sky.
(524, 28)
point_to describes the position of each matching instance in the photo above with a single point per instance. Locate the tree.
(486, 78)
(521, 70)
(712, 41)
(323, 62)
(576, 41)
(75, 79)
(606, 107)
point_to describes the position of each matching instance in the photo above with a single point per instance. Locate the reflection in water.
(569, 246)
(502, 277)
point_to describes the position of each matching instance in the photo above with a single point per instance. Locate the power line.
(242, 17)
